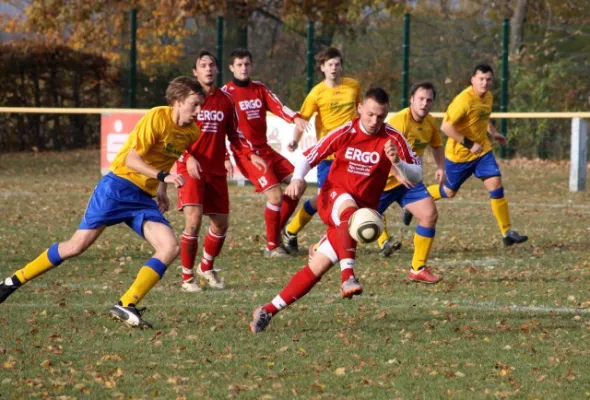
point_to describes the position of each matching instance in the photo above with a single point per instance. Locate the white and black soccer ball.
(365, 225)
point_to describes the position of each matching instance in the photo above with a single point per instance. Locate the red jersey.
(360, 165)
(252, 102)
(217, 119)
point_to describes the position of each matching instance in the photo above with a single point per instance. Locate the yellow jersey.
(419, 135)
(159, 141)
(334, 106)
(470, 115)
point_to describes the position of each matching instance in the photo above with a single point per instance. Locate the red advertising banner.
(114, 129)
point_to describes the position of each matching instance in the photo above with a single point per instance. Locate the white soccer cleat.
(277, 252)
(211, 278)
(191, 286)
(130, 315)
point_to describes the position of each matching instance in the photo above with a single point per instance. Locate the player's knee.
(171, 251)
(274, 195)
(449, 192)
(219, 227)
(427, 216)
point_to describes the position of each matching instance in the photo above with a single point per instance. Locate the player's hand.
(439, 175)
(292, 146)
(476, 148)
(500, 139)
(401, 178)
(176, 180)
(193, 168)
(295, 189)
(391, 152)
(229, 168)
(301, 124)
(162, 199)
(258, 162)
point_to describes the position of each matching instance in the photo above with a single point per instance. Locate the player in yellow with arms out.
(421, 131)
(469, 150)
(335, 101)
(139, 172)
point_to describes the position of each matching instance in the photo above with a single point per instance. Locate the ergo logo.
(210, 115)
(367, 157)
(255, 104)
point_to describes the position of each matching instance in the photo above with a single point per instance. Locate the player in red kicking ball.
(365, 152)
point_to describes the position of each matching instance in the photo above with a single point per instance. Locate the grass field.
(504, 323)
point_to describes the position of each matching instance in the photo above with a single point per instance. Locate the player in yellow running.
(469, 150)
(421, 131)
(335, 101)
(139, 172)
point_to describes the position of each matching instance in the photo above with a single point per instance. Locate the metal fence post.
(219, 49)
(131, 103)
(579, 156)
(504, 83)
(406, 60)
(310, 60)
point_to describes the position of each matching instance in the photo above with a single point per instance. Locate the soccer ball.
(365, 225)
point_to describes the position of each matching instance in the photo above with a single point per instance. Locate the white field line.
(459, 201)
(392, 302)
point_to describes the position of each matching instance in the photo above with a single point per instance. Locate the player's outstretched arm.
(452, 132)
(137, 163)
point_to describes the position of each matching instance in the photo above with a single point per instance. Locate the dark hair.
(377, 94)
(206, 53)
(239, 53)
(483, 68)
(423, 85)
(327, 54)
(181, 87)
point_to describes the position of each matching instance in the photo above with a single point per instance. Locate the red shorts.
(329, 201)
(278, 168)
(210, 192)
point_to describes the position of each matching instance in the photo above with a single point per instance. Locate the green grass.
(504, 323)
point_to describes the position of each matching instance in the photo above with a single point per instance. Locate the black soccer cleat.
(290, 242)
(513, 237)
(406, 217)
(8, 287)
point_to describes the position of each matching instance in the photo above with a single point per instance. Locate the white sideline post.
(578, 156)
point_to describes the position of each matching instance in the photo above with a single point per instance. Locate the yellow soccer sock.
(301, 218)
(500, 210)
(423, 239)
(436, 192)
(47, 260)
(384, 235)
(148, 276)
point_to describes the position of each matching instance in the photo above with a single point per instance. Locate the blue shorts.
(484, 167)
(323, 171)
(402, 195)
(116, 200)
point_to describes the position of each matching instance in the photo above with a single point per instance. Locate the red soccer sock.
(288, 205)
(344, 245)
(211, 249)
(299, 285)
(188, 252)
(272, 215)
